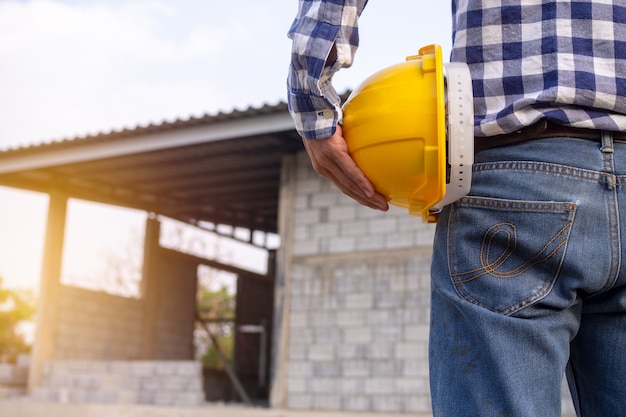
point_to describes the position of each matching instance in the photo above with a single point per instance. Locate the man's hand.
(331, 159)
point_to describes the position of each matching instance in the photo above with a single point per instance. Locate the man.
(527, 277)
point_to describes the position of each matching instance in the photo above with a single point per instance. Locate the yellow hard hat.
(412, 138)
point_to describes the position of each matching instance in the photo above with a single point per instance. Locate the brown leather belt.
(541, 130)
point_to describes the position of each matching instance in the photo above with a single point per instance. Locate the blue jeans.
(528, 282)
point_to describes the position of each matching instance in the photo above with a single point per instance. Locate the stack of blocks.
(122, 382)
(13, 378)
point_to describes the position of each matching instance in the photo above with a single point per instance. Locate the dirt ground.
(20, 408)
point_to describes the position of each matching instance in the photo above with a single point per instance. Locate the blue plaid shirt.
(560, 60)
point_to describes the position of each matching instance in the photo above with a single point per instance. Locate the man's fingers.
(331, 159)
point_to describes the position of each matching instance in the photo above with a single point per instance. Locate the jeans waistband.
(541, 130)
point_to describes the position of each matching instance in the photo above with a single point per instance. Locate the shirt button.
(328, 113)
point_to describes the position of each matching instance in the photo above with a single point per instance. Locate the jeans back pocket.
(505, 255)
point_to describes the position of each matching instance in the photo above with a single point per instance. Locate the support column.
(49, 290)
(282, 288)
(149, 287)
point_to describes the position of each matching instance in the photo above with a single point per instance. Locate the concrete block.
(23, 360)
(176, 383)
(411, 386)
(166, 368)
(399, 240)
(411, 350)
(356, 368)
(297, 385)
(416, 333)
(342, 213)
(300, 401)
(327, 199)
(379, 385)
(302, 232)
(351, 318)
(357, 403)
(322, 319)
(327, 369)
(324, 230)
(298, 320)
(385, 368)
(415, 368)
(391, 333)
(387, 403)
(352, 284)
(127, 397)
(189, 399)
(188, 368)
(351, 351)
(301, 335)
(370, 243)
(165, 398)
(301, 202)
(380, 226)
(342, 244)
(147, 397)
(151, 384)
(351, 228)
(120, 367)
(131, 383)
(45, 394)
(424, 237)
(323, 385)
(350, 386)
(142, 368)
(327, 335)
(321, 352)
(380, 351)
(300, 369)
(10, 393)
(326, 402)
(307, 187)
(418, 404)
(389, 300)
(356, 335)
(304, 217)
(363, 212)
(362, 301)
(6, 372)
(298, 351)
(307, 247)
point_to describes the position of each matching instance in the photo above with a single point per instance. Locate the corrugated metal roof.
(230, 178)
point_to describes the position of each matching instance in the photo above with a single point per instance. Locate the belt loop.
(607, 141)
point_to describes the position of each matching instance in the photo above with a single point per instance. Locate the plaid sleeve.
(313, 102)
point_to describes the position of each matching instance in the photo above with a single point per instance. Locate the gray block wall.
(95, 325)
(358, 310)
(359, 303)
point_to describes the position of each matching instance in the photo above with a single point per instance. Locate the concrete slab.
(23, 408)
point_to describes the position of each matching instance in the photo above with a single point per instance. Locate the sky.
(76, 67)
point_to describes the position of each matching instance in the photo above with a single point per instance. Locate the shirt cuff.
(314, 117)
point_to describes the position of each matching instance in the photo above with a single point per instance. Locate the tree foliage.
(217, 309)
(16, 307)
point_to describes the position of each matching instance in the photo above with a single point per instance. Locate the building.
(347, 291)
